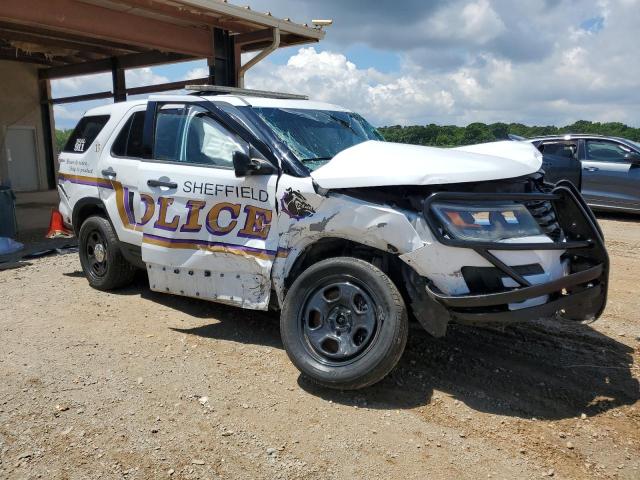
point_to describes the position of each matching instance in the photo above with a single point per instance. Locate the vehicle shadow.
(547, 369)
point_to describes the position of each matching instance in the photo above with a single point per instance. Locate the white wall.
(20, 106)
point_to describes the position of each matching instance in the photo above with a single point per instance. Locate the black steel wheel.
(339, 321)
(344, 323)
(96, 253)
(100, 256)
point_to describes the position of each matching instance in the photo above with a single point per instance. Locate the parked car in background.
(609, 178)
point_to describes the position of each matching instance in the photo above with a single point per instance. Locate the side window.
(605, 151)
(187, 134)
(207, 143)
(128, 143)
(560, 149)
(85, 133)
(170, 121)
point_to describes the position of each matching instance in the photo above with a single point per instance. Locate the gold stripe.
(66, 176)
(208, 248)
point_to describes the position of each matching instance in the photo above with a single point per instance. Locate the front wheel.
(344, 323)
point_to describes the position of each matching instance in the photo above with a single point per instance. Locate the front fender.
(343, 217)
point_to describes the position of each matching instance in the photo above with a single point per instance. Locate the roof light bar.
(243, 92)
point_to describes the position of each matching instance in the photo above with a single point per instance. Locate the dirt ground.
(138, 385)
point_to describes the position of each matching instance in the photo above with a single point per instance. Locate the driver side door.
(610, 178)
(211, 234)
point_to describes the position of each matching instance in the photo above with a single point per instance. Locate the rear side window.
(128, 143)
(85, 133)
(560, 149)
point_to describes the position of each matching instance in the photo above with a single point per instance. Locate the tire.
(347, 338)
(104, 267)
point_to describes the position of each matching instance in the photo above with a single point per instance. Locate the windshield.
(635, 144)
(315, 136)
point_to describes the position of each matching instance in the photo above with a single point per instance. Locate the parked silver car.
(610, 176)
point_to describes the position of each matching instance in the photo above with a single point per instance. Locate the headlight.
(488, 222)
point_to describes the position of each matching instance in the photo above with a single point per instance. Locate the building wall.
(20, 106)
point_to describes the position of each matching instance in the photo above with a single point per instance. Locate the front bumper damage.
(580, 294)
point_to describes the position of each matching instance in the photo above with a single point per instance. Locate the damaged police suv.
(260, 200)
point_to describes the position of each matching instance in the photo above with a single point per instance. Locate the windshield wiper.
(316, 159)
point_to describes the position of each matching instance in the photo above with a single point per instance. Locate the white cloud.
(474, 23)
(198, 72)
(462, 61)
(143, 76)
(584, 75)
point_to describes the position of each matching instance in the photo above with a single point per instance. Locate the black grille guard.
(580, 295)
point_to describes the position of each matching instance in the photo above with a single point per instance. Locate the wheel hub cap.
(339, 321)
(99, 252)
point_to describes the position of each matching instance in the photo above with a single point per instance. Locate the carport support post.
(46, 112)
(222, 65)
(119, 84)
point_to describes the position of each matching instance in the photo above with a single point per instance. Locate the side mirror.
(633, 157)
(245, 165)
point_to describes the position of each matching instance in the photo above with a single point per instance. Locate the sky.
(414, 62)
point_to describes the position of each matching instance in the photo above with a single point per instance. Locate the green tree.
(453, 136)
(61, 138)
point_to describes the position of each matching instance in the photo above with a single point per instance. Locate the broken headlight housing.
(486, 222)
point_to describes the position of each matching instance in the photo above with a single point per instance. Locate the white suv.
(259, 200)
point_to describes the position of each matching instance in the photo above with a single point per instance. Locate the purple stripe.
(206, 243)
(88, 182)
(127, 207)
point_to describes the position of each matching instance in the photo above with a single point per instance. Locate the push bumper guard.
(580, 295)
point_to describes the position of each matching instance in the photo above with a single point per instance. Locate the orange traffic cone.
(56, 226)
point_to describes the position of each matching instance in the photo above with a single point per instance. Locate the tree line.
(453, 136)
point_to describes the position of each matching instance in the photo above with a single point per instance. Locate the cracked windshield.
(316, 136)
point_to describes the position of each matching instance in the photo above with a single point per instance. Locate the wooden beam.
(80, 18)
(81, 98)
(11, 53)
(161, 87)
(197, 16)
(134, 60)
(254, 19)
(164, 87)
(46, 41)
(265, 35)
(121, 48)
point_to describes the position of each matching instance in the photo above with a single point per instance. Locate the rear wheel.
(344, 323)
(100, 256)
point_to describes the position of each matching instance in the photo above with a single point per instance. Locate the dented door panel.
(212, 233)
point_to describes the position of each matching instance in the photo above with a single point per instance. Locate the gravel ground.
(134, 384)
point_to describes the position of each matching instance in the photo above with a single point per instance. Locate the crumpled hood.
(375, 164)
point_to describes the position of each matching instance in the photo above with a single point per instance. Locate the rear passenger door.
(118, 167)
(211, 235)
(560, 161)
(610, 179)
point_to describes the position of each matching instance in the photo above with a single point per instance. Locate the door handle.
(109, 172)
(591, 169)
(162, 183)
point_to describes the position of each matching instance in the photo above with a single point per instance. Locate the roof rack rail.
(221, 90)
